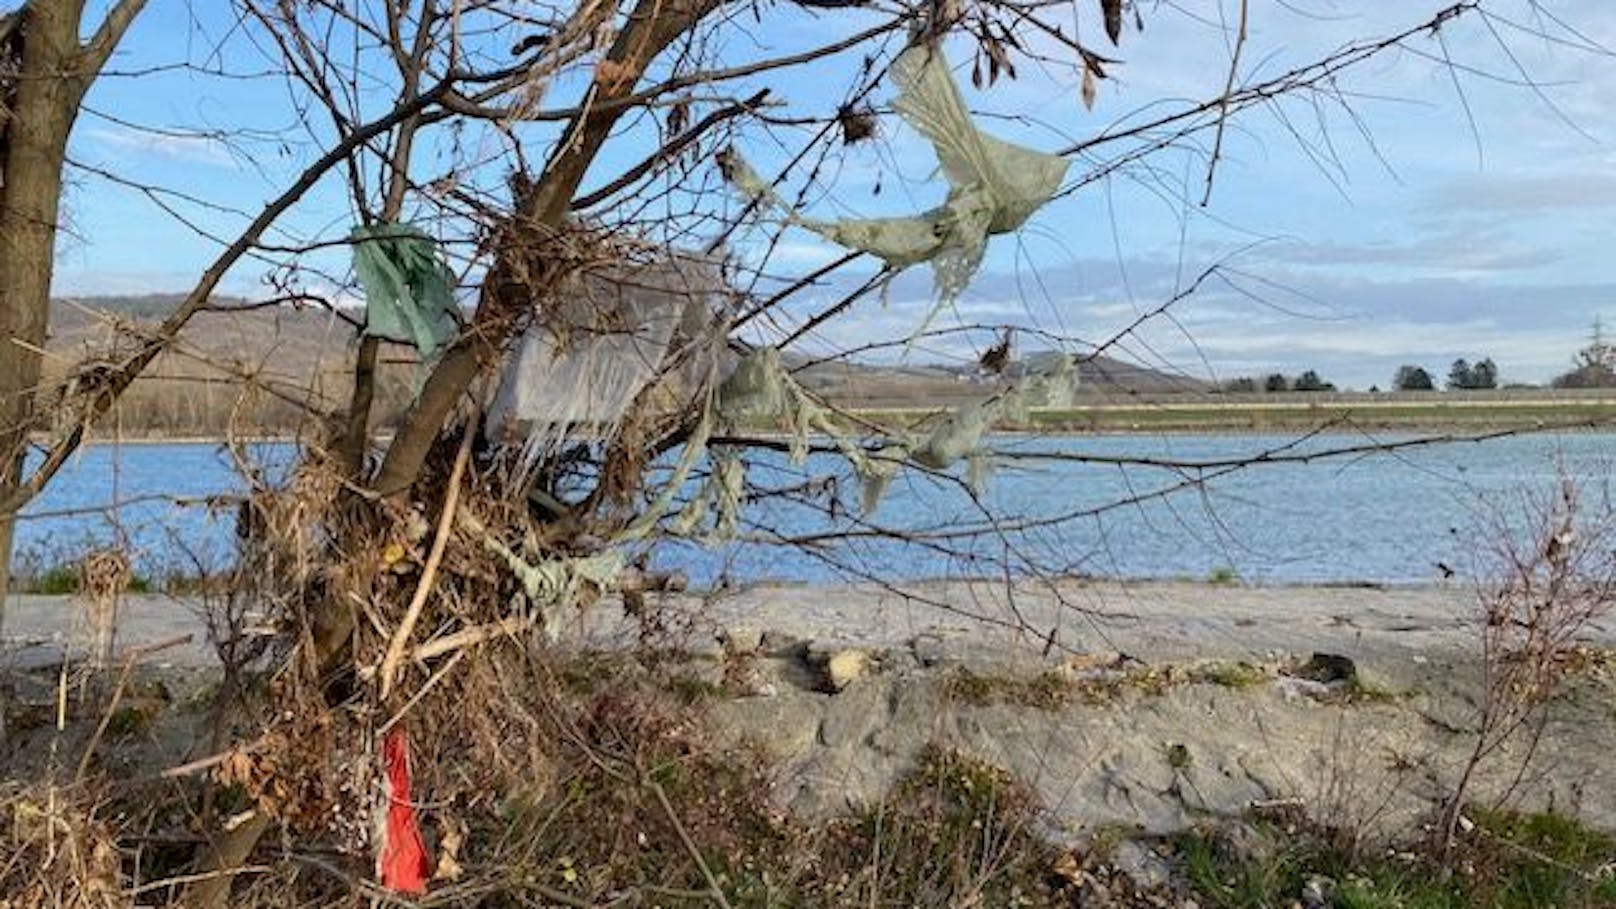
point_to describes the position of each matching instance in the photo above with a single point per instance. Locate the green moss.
(692, 690)
(1358, 691)
(1233, 674)
(130, 720)
(1045, 691)
(1055, 688)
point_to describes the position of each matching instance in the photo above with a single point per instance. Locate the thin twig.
(184, 879)
(1223, 107)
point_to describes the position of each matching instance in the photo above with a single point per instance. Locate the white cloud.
(128, 142)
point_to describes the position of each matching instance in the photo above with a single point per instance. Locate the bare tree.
(43, 78)
(492, 86)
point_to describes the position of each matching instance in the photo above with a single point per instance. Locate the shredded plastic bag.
(758, 388)
(994, 185)
(1049, 382)
(409, 289)
(553, 583)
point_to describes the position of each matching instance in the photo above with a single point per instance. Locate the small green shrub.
(58, 580)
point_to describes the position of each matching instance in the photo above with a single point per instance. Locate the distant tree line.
(1462, 376)
(1273, 383)
(1593, 366)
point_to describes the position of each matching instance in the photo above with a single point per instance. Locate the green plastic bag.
(409, 289)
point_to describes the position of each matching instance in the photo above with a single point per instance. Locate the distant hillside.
(1101, 379)
(303, 353)
(231, 370)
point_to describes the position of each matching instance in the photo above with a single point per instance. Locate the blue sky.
(1472, 221)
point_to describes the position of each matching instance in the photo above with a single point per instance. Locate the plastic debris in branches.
(994, 185)
(409, 289)
(601, 342)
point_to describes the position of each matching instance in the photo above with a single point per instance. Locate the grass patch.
(955, 832)
(1234, 674)
(1512, 861)
(1056, 688)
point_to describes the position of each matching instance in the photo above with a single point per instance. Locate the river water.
(1390, 517)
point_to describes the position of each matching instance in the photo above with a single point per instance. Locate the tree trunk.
(651, 28)
(47, 102)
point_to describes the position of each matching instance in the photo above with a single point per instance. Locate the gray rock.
(1142, 865)
(785, 726)
(1294, 688)
(840, 664)
(852, 716)
(742, 639)
(1318, 893)
(783, 645)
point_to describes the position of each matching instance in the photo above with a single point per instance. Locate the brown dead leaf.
(1089, 89)
(1113, 19)
(451, 838)
(1068, 867)
(678, 117)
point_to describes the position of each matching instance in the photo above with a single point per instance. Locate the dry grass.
(58, 852)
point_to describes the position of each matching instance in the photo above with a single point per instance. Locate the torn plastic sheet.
(1050, 381)
(585, 359)
(760, 389)
(402, 865)
(409, 289)
(994, 185)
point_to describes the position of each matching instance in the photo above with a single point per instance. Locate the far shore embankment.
(1121, 413)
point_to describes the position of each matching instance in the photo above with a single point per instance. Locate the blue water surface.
(1380, 517)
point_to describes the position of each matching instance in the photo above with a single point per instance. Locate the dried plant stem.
(415, 698)
(184, 879)
(690, 846)
(406, 627)
(132, 656)
(471, 636)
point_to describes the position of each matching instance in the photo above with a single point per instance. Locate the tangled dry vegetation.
(547, 775)
(593, 785)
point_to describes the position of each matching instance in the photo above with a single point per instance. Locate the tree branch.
(197, 299)
(672, 148)
(106, 38)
